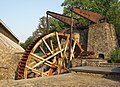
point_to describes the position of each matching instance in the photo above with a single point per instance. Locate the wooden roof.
(6, 28)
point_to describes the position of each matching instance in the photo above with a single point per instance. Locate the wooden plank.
(48, 58)
(25, 73)
(72, 50)
(37, 71)
(66, 46)
(36, 57)
(47, 45)
(42, 50)
(51, 43)
(59, 45)
(34, 70)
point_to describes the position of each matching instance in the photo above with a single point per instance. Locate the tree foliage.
(108, 8)
(42, 27)
(54, 26)
(115, 56)
(27, 42)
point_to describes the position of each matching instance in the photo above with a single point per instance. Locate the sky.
(22, 16)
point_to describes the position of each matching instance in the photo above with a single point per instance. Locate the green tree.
(55, 25)
(42, 27)
(27, 42)
(115, 56)
(108, 8)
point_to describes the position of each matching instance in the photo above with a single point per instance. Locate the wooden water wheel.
(48, 55)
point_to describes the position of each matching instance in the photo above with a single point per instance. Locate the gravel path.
(66, 80)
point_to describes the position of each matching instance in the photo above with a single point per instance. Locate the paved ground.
(66, 80)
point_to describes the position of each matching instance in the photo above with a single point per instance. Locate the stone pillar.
(102, 39)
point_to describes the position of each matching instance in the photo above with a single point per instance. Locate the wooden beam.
(59, 45)
(45, 60)
(47, 45)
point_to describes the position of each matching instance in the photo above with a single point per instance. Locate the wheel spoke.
(59, 43)
(34, 70)
(72, 50)
(25, 73)
(54, 54)
(51, 43)
(42, 50)
(41, 62)
(47, 45)
(66, 46)
(40, 59)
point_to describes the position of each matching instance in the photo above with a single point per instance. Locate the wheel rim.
(47, 55)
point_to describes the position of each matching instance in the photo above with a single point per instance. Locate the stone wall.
(9, 57)
(8, 62)
(102, 39)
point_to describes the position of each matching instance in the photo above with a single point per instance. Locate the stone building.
(102, 39)
(10, 52)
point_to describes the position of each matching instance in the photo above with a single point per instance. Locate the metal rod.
(47, 22)
(71, 31)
